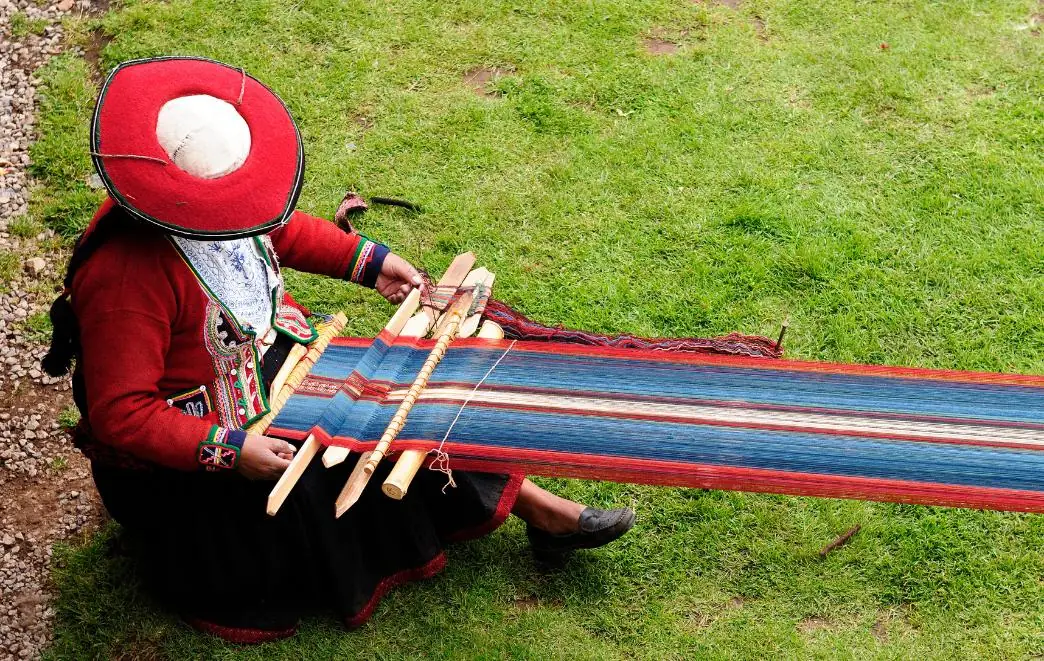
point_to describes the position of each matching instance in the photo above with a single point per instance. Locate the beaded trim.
(238, 392)
(361, 259)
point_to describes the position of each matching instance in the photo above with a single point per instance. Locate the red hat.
(197, 147)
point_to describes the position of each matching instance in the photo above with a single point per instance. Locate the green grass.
(10, 266)
(22, 26)
(782, 163)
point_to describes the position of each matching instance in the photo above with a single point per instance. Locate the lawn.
(873, 171)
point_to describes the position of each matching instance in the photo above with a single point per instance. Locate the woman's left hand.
(397, 279)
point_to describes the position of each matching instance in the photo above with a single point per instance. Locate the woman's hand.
(397, 279)
(264, 458)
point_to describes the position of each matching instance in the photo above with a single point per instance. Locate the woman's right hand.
(264, 458)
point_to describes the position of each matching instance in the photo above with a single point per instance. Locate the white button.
(242, 411)
(233, 372)
(202, 388)
(170, 402)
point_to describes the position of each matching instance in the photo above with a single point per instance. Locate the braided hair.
(65, 333)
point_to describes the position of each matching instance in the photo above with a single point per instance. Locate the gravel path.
(45, 489)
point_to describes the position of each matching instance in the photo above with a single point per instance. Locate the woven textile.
(723, 422)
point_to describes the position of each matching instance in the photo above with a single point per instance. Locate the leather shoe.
(597, 528)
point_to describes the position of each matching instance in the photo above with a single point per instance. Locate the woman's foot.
(557, 526)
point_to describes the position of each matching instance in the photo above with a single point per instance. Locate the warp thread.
(441, 461)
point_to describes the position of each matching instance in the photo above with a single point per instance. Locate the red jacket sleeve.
(125, 314)
(314, 245)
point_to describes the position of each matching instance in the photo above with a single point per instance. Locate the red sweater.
(153, 338)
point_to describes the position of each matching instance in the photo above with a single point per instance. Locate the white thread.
(440, 463)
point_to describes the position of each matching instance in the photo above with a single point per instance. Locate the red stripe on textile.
(703, 476)
(548, 463)
(287, 434)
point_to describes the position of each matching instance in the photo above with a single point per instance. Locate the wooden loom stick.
(451, 324)
(311, 446)
(417, 326)
(292, 474)
(335, 454)
(410, 461)
(353, 487)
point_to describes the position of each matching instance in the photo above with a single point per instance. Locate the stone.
(35, 266)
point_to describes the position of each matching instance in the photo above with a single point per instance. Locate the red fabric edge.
(427, 570)
(504, 506)
(730, 478)
(238, 635)
(492, 459)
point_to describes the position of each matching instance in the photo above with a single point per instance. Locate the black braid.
(65, 334)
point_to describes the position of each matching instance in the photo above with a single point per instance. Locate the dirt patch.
(657, 46)
(479, 78)
(526, 604)
(97, 42)
(880, 628)
(759, 28)
(731, 4)
(737, 603)
(811, 625)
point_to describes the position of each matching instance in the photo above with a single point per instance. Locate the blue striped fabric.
(550, 408)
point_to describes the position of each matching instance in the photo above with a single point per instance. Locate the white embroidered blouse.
(239, 276)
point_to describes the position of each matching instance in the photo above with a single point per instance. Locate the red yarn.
(517, 326)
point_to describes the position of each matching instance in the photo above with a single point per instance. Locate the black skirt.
(212, 553)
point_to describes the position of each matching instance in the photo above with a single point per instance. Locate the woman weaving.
(177, 319)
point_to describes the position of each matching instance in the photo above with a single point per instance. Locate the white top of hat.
(203, 135)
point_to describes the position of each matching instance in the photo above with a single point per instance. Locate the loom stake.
(292, 474)
(450, 325)
(782, 332)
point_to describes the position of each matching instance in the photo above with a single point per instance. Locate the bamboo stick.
(446, 335)
(410, 461)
